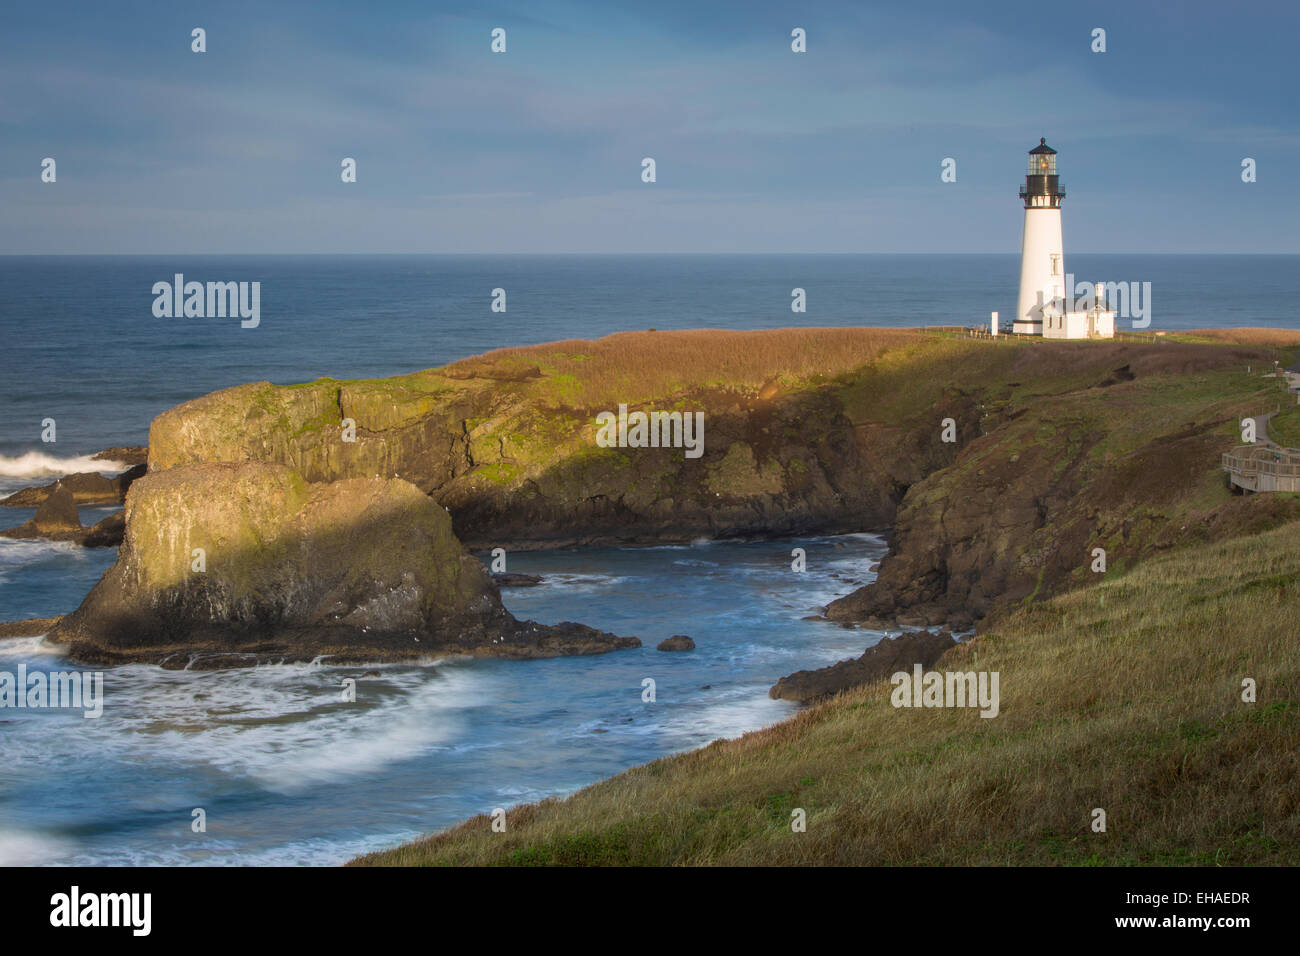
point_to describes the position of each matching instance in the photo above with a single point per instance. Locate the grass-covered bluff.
(1061, 447)
(507, 441)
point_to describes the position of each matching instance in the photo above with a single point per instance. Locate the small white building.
(1093, 321)
(1045, 306)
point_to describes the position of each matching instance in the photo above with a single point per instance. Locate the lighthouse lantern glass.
(1042, 164)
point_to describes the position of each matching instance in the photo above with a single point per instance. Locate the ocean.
(285, 772)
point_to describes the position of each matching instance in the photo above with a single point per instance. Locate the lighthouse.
(1042, 256)
(1046, 307)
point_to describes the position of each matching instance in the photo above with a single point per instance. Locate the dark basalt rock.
(878, 663)
(678, 642)
(56, 519)
(87, 488)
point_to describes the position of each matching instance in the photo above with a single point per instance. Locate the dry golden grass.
(644, 366)
(911, 366)
(1268, 338)
(1125, 695)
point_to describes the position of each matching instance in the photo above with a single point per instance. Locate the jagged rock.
(58, 512)
(122, 483)
(53, 522)
(130, 455)
(56, 519)
(678, 642)
(357, 570)
(87, 488)
(878, 663)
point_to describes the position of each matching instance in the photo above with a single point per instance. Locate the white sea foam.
(27, 648)
(24, 848)
(15, 552)
(581, 582)
(286, 727)
(37, 464)
(730, 718)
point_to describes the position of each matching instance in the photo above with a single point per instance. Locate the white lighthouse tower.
(1046, 307)
(1042, 257)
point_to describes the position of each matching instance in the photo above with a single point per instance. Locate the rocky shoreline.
(335, 517)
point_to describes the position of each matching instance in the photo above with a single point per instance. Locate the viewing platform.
(1263, 468)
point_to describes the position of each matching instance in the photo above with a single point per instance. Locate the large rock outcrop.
(229, 564)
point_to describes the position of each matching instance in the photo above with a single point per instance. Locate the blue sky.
(758, 149)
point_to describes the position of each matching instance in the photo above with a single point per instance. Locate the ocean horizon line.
(614, 255)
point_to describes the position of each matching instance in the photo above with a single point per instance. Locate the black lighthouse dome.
(1042, 188)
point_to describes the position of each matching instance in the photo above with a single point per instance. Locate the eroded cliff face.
(230, 564)
(1128, 465)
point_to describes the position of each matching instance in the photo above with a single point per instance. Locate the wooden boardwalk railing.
(1265, 469)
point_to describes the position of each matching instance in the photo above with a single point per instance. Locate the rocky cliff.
(1064, 486)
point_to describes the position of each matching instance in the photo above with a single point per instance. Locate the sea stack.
(230, 564)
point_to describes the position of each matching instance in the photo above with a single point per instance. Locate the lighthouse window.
(1042, 164)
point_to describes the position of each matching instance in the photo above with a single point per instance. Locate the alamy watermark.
(946, 689)
(55, 690)
(1128, 300)
(133, 911)
(215, 300)
(652, 430)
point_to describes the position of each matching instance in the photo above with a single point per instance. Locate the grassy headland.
(1120, 691)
